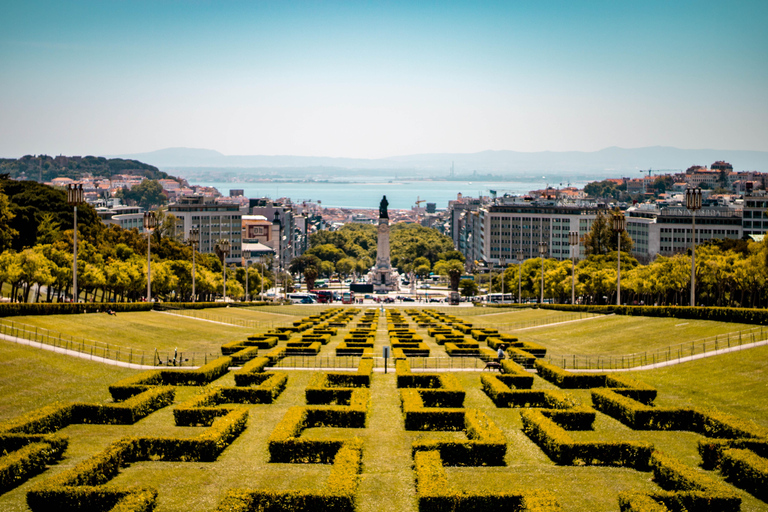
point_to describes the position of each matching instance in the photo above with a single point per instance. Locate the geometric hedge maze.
(430, 402)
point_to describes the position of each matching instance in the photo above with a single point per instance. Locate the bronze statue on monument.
(383, 208)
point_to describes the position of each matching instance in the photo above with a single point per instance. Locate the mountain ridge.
(612, 158)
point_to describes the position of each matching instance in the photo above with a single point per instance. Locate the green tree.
(345, 266)
(468, 288)
(7, 233)
(310, 274)
(147, 194)
(601, 238)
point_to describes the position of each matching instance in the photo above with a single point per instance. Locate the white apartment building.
(215, 222)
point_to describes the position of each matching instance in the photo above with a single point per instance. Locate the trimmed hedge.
(129, 386)
(52, 418)
(251, 373)
(243, 356)
(286, 445)
(354, 349)
(568, 380)
(203, 409)
(469, 349)
(736, 315)
(67, 308)
(435, 494)
(70, 308)
(25, 456)
(499, 391)
(746, 470)
(515, 375)
(302, 348)
(262, 342)
(80, 488)
(483, 334)
(411, 349)
(689, 488)
(555, 441)
(485, 444)
(639, 416)
(441, 339)
(711, 450)
(338, 495)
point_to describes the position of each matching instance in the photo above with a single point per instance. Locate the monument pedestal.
(383, 278)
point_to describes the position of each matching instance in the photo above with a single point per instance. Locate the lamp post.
(150, 223)
(74, 198)
(520, 277)
(247, 264)
(542, 252)
(224, 248)
(573, 241)
(262, 279)
(194, 240)
(619, 224)
(503, 269)
(693, 203)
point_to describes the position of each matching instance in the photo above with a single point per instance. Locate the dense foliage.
(47, 168)
(353, 249)
(36, 253)
(733, 275)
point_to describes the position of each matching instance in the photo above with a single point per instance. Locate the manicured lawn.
(146, 331)
(253, 318)
(29, 378)
(619, 334)
(735, 383)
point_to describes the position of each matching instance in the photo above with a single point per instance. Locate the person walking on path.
(500, 353)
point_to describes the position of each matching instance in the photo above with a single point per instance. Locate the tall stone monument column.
(383, 280)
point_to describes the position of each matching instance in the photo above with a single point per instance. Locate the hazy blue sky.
(376, 79)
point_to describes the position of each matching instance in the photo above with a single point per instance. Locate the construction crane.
(649, 172)
(419, 200)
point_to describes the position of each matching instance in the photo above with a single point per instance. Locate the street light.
(693, 203)
(224, 248)
(150, 223)
(573, 241)
(542, 252)
(247, 264)
(520, 277)
(619, 224)
(503, 270)
(194, 240)
(74, 198)
(262, 278)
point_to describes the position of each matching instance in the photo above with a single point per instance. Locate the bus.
(497, 298)
(302, 298)
(321, 283)
(323, 296)
(348, 298)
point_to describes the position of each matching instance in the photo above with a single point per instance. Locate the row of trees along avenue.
(728, 273)
(36, 242)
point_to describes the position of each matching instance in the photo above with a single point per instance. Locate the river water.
(401, 194)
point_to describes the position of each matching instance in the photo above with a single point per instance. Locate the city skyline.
(377, 80)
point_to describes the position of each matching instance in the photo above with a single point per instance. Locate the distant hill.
(609, 161)
(47, 167)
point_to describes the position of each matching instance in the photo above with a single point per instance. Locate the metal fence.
(672, 353)
(100, 349)
(240, 322)
(352, 363)
(538, 322)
